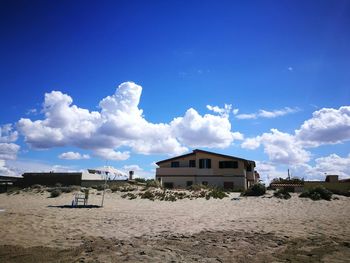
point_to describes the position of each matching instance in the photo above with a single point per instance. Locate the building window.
(175, 164)
(168, 185)
(228, 164)
(249, 168)
(205, 183)
(192, 163)
(204, 163)
(189, 183)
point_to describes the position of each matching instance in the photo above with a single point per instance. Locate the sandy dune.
(33, 229)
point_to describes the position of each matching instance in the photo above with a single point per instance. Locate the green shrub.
(55, 193)
(317, 193)
(170, 197)
(147, 195)
(152, 183)
(282, 194)
(340, 192)
(140, 180)
(216, 193)
(130, 196)
(255, 190)
(198, 187)
(69, 189)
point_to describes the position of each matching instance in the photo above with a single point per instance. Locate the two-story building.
(207, 168)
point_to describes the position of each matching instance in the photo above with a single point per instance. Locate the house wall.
(239, 183)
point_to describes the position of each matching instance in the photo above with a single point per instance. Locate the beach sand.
(33, 228)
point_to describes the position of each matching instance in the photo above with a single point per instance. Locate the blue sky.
(281, 65)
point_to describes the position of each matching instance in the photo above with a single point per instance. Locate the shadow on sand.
(76, 206)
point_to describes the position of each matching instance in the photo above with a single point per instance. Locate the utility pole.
(104, 187)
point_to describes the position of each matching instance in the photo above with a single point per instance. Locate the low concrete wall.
(340, 186)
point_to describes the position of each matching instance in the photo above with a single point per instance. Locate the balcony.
(184, 171)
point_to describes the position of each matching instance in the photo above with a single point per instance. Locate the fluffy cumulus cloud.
(331, 164)
(8, 151)
(268, 171)
(280, 147)
(327, 126)
(5, 171)
(7, 134)
(222, 111)
(120, 123)
(267, 114)
(73, 156)
(209, 130)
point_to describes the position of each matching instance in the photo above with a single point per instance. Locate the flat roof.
(198, 150)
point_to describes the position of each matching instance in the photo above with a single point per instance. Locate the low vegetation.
(282, 194)
(317, 193)
(55, 193)
(215, 193)
(255, 190)
(130, 196)
(340, 192)
(174, 195)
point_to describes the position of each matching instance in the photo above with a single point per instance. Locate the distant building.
(86, 178)
(207, 168)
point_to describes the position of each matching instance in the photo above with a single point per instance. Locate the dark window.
(175, 164)
(192, 163)
(228, 164)
(205, 183)
(169, 185)
(204, 163)
(249, 168)
(189, 183)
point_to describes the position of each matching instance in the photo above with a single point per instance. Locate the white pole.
(104, 187)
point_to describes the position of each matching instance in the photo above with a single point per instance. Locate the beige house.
(207, 168)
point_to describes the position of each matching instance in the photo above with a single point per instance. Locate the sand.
(33, 228)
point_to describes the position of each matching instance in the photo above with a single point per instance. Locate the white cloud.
(268, 171)
(327, 126)
(290, 69)
(5, 171)
(8, 151)
(268, 114)
(7, 134)
(246, 116)
(119, 123)
(331, 164)
(280, 147)
(235, 111)
(132, 167)
(73, 156)
(209, 130)
(20, 166)
(139, 172)
(154, 165)
(110, 154)
(224, 112)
